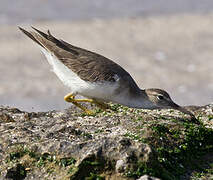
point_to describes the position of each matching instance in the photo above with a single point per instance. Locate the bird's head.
(160, 99)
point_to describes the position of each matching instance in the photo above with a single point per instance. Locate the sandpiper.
(96, 77)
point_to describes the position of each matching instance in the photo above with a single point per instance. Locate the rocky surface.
(119, 144)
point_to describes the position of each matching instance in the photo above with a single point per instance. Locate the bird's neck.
(144, 102)
(141, 101)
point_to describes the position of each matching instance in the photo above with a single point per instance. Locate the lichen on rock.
(121, 144)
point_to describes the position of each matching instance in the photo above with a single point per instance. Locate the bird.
(97, 78)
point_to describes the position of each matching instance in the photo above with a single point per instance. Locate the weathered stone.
(121, 144)
(146, 177)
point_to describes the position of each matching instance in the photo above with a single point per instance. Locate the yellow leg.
(71, 98)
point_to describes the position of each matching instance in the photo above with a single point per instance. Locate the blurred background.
(164, 44)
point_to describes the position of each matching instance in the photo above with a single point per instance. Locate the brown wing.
(88, 65)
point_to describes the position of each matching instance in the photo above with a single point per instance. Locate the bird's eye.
(160, 97)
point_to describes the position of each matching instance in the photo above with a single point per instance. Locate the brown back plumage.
(88, 65)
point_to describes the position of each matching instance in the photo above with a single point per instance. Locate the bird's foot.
(71, 98)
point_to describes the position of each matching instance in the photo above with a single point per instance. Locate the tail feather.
(31, 36)
(40, 32)
(47, 36)
(44, 39)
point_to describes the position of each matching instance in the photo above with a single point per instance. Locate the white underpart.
(103, 90)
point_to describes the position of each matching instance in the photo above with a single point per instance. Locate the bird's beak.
(183, 110)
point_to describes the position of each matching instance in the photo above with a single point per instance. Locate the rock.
(121, 144)
(146, 177)
(120, 165)
(17, 172)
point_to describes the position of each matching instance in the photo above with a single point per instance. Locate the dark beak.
(183, 110)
